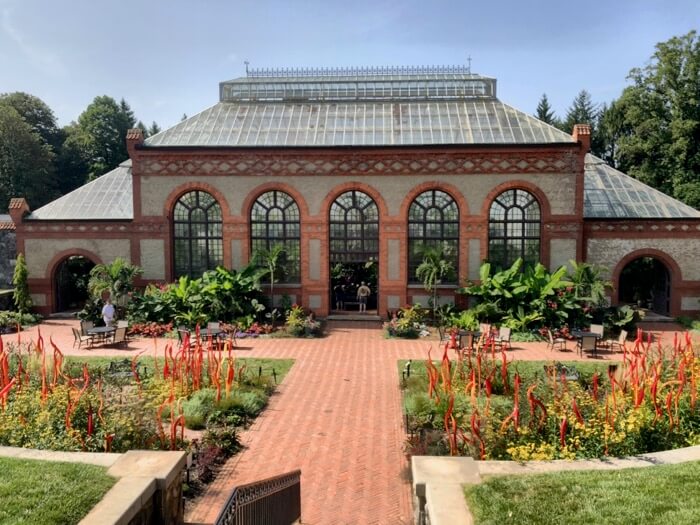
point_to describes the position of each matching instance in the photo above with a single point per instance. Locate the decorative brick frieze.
(357, 164)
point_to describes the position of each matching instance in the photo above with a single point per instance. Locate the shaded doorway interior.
(353, 250)
(346, 279)
(646, 282)
(71, 283)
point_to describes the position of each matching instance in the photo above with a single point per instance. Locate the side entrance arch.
(645, 281)
(70, 283)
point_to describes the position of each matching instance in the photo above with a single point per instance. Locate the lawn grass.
(528, 370)
(49, 492)
(253, 364)
(665, 494)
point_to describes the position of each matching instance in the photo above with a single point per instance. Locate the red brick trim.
(671, 265)
(180, 190)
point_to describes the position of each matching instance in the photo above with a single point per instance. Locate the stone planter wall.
(8, 254)
(438, 496)
(149, 489)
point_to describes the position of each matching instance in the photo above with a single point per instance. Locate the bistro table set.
(91, 334)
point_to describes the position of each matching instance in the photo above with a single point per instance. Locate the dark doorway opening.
(646, 282)
(346, 278)
(71, 283)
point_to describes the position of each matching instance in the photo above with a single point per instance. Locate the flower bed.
(487, 407)
(49, 402)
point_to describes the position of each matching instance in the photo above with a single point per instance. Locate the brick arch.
(672, 266)
(270, 186)
(54, 264)
(358, 186)
(180, 190)
(451, 190)
(545, 208)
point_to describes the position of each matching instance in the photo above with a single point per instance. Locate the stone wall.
(8, 254)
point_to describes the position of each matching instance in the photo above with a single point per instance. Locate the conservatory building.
(354, 172)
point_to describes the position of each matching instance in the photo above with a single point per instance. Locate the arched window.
(433, 222)
(274, 220)
(514, 228)
(354, 228)
(197, 234)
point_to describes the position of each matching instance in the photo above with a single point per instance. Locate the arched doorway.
(353, 249)
(646, 282)
(71, 283)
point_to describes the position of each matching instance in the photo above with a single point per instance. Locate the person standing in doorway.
(362, 294)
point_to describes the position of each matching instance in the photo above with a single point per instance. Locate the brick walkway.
(337, 417)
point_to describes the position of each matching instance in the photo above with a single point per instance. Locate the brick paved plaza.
(337, 417)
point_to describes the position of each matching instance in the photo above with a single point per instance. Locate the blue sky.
(166, 58)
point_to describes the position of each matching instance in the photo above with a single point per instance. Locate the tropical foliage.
(219, 295)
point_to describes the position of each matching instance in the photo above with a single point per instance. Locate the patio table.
(101, 332)
(580, 334)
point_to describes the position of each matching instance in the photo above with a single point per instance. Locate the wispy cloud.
(42, 59)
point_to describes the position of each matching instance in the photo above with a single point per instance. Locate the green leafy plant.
(22, 299)
(434, 268)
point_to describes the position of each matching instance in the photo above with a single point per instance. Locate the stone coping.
(438, 481)
(92, 458)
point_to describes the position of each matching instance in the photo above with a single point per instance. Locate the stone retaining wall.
(149, 490)
(438, 481)
(8, 254)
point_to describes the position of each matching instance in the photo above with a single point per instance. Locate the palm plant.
(434, 268)
(117, 278)
(588, 283)
(270, 259)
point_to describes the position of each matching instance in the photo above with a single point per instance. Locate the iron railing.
(271, 501)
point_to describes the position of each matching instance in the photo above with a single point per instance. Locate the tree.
(184, 117)
(545, 112)
(37, 114)
(104, 124)
(154, 129)
(143, 128)
(659, 120)
(72, 164)
(23, 300)
(434, 268)
(26, 162)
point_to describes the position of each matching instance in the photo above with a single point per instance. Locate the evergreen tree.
(154, 129)
(545, 112)
(143, 128)
(23, 301)
(184, 117)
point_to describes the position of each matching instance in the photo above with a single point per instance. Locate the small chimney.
(582, 134)
(18, 208)
(134, 138)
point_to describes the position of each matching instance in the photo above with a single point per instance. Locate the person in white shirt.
(108, 313)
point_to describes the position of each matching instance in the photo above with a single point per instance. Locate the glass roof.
(108, 197)
(359, 107)
(609, 193)
(472, 121)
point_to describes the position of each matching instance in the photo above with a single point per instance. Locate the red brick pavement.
(337, 417)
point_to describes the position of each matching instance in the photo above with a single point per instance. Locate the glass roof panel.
(609, 193)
